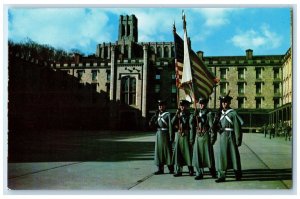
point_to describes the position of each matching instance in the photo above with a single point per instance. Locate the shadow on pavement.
(263, 175)
(65, 147)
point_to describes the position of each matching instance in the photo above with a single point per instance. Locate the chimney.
(77, 58)
(200, 54)
(249, 54)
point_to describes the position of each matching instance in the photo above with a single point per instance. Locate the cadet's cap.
(184, 102)
(161, 102)
(203, 100)
(226, 98)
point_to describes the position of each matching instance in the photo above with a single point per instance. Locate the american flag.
(178, 59)
(203, 80)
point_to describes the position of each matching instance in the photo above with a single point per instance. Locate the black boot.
(177, 174)
(171, 169)
(160, 170)
(199, 177)
(238, 175)
(220, 180)
(213, 172)
(191, 171)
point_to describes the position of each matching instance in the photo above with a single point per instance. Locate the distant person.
(229, 139)
(161, 121)
(183, 139)
(269, 130)
(203, 154)
(264, 130)
(287, 130)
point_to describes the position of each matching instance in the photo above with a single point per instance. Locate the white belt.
(162, 129)
(228, 129)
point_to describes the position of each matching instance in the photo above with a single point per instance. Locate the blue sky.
(215, 31)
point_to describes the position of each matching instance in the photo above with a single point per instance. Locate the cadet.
(203, 154)
(163, 143)
(229, 139)
(183, 139)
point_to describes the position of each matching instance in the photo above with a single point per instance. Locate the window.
(222, 88)
(126, 51)
(157, 76)
(258, 73)
(276, 103)
(276, 73)
(152, 53)
(106, 52)
(80, 73)
(128, 90)
(223, 73)
(174, 89)
(173, 100)
(94, 75)
(258, 87)
(108, 88)
(166, 51)
(127, 30)
(173, 76)
(172, 51)
(157, 88)
(241, 88)
(241, 102)
(159, 52)
(123, 29)
(276, 88)
(241, 73)
(108, 76)
(258, 102)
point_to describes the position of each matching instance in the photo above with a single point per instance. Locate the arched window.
(166, 51)
(152, 50)
(126, 51)
(123, 30)
(128, 90)
(173, 51)
(159, 52)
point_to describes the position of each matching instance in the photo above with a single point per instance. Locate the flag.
(192, 75)
(187, 69)
(178, 43)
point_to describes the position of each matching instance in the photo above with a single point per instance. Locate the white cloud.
(256, 39)
(158, 26)
(82, 28)
(215, 17)
(59, 27)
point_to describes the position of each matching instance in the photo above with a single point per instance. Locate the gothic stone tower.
(128, 28)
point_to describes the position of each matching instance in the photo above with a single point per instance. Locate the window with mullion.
(128, 90)
(241, 88)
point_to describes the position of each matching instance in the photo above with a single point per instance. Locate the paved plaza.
(122, 162)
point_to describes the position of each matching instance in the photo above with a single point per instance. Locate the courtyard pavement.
(105, 162)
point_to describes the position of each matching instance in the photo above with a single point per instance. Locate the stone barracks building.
(133, 75)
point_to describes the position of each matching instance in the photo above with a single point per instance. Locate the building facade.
(135, 74)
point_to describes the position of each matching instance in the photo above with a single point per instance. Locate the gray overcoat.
(182, 155)
(203, 155)
(229, 138)
(163, 139)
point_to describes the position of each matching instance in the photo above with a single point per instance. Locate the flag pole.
(191, 84)
(176, 77)
(177, 89)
